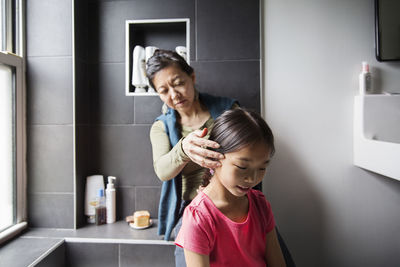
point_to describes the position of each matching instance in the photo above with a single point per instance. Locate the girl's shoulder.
(201, 203)
(202, 207)
(261, 208)
(198, 229)
(257, 195)
(200, 213)
(259, 201)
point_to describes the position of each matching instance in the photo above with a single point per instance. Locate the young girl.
(228, 223)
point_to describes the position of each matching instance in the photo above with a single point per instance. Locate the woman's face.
(175, 88)
(243, 169)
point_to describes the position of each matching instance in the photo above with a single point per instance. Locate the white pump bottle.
(110, 200)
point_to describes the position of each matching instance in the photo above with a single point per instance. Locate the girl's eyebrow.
(249, 160)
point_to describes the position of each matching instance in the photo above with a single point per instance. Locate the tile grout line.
(50, 193)
(49, 56)
(195, 30)
(119, 255)
(135, 197)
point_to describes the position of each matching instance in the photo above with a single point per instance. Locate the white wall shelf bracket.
(376, 137)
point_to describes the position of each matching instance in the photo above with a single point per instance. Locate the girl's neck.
(218, 193)
(233, 207)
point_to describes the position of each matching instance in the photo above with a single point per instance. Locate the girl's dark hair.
(237, 128)
(165, 58)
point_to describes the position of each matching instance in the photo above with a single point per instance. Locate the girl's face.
(175, 88)
(243, 169)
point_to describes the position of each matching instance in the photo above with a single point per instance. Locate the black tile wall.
(147, 255)
(147, 198)
(224, 52)
(147, 108)
(237, 79)
(50, 114)
(87, 254)
(107, 23)
(227, 30)
(50, 210)
(83, 102)
(49, 90)
(124, 151)
(132, 198)
(81, 11)
(125, 201)
(83, 96)
(51, 158)
(49, 28)
(82, 146)
(119, 255)
(56, 258)
(112, 130)
(110, 104)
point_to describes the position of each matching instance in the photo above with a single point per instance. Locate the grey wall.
(49, 114)
(330, 212)
(79, 119)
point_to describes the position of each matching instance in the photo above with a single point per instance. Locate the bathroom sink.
(377, 134)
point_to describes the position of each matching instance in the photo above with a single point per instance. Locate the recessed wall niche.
(161, 33)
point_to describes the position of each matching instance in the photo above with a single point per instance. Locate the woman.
(179, 137)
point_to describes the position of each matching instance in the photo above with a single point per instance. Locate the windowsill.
(37, 243)
(12, 231)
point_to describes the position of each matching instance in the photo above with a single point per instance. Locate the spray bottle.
(365, 79)
(110, 200)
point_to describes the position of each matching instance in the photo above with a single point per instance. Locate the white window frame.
(18, 62)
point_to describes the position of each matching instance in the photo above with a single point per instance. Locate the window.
(12, 121)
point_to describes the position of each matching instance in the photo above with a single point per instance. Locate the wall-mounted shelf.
(162, 33)
(377, 134)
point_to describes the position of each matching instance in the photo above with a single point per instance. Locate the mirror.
(387, 30)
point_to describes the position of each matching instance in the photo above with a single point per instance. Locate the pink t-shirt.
(206, 230)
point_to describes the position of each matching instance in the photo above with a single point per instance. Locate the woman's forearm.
(168, 162)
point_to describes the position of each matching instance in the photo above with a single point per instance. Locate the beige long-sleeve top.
(169, 162)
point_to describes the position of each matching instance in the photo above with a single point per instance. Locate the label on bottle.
(101, 215)
(110, 204)
(365, 83)
(368, 85)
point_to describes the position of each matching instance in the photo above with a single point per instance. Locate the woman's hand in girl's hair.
(195, 147)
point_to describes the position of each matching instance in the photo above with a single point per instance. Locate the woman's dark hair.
(238, 128)
(165, 58)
